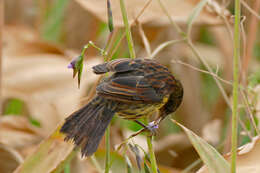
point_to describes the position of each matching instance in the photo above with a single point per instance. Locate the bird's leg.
(151, 127)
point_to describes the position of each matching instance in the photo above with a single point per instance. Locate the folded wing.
(129, 89)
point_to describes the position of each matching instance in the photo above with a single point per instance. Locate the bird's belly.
(134, 111)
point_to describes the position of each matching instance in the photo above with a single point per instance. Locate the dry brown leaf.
(45, 84)
(42, 80)
(48, 156)
(17, 132)
(153, 15)
(247, 159)
(9, 159)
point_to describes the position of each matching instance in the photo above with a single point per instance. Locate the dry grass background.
(40, 39)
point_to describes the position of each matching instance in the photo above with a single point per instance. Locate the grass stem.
(235, 85)
(127, 30)
(149, 140)
(107, 162)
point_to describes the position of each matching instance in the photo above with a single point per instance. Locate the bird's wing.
(128, 89)
(118, 65)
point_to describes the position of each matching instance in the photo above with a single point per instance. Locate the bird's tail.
(87, 125)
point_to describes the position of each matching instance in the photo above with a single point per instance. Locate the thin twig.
(198, 55)
(243, 40)
(228, 26)
(251, 117)
(203, 71)
(164, 45)
(253, 11)
(144, 39)
(252, 31)
(142, 11)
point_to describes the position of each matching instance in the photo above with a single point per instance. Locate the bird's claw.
(152, 127)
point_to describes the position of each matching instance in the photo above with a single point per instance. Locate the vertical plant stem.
(149, 140)
(107, 166)
(1, 47)
(235, 85)
(127, 30)
(152, 155)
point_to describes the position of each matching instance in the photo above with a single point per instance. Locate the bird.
(136, 88)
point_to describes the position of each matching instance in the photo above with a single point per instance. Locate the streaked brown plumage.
(137, 88)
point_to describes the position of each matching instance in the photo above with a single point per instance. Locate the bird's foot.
(151, 127)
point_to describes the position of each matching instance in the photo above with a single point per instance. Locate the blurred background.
(40, 38)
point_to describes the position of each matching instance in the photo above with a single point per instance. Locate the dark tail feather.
(87, 125)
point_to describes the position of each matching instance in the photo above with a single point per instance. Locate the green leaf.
(195, 13)
(209, 155)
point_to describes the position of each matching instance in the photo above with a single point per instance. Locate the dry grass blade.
(209, 155)
(48, 156)
(164, 45)
(144, 39)
(247, 158)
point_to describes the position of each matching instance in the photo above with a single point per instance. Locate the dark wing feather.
(118, 65)
(128, 89)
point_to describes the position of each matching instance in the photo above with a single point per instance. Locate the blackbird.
(137, 88)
